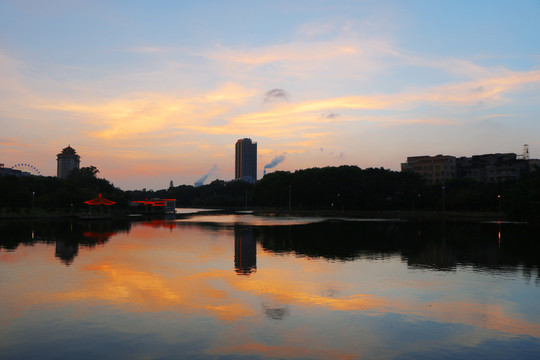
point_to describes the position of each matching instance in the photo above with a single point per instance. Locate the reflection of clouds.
(221, 294)
(488, 316)
(230, 312)
(274, 311)
(292, 350)
(125, 285)
(151, 291)
(183, 281)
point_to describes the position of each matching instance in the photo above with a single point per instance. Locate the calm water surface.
(239, 286)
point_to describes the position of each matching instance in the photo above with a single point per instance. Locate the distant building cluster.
(246, 160)
(488, 168)
(67, 161)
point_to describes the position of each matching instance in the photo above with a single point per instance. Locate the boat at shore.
(156, 205)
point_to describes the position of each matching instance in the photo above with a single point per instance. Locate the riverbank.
(393, 214)
(33, 214)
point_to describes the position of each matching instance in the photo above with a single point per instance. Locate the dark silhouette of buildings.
(487, 168)
(246, 160)
(492, 167)
(433, 169)
(67, 161)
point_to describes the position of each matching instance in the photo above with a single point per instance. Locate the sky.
(156, 91)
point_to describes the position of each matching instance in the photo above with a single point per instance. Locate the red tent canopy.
(100, 201)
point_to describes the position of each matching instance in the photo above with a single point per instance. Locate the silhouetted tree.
(523, 200)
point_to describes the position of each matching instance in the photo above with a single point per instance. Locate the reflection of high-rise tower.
(245, 251)
(67, 161)
(66, 250)
(246, 160)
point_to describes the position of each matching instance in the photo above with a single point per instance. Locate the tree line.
(343, 188)
(21, 194)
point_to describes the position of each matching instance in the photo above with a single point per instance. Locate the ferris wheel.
(27, 168)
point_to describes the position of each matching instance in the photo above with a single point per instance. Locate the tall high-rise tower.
(66, 161)
(246, 160)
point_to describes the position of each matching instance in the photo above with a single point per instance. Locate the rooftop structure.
(67, 161)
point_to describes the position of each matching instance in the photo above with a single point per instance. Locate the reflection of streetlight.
(500, 229)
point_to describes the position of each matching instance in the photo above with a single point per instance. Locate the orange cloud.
(149, 113)
(12, 142)
(292, 52)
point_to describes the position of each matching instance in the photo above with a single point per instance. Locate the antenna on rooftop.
(526, 152)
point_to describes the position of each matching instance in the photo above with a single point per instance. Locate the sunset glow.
(151, 92)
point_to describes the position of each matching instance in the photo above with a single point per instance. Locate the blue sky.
(150, 92)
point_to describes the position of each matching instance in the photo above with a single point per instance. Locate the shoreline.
(392, 214)
(389, 214)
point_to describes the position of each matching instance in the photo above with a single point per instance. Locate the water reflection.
(245, 251)
(66, 251)
(249, 220)
(67, 236)
(438, 246)
(275, 312)
(330, 289)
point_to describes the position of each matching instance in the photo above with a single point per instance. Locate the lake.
(240, 286)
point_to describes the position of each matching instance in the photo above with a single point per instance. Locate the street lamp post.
(443, 200)
(290, 186)
(33, 199)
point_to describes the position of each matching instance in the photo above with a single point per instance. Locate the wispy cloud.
(291, 52)
(149, 50)
(139, 118)
(12, 142)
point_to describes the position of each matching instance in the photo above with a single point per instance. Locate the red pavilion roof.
(100, 201)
